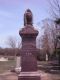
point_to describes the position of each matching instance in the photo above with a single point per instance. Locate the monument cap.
(28, 17)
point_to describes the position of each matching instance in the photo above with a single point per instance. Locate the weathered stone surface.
(29, 76)
(28, 51)
(29, 63)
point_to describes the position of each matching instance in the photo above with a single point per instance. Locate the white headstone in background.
(18, 61)
(3, 59)
(46, 57)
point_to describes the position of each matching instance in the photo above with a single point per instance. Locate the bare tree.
(54, 9)
(49, 38)
(55, 15)
(12, 42)
(19, 45)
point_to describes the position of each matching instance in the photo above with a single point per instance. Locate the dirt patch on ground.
(8, 76)
(44, 76)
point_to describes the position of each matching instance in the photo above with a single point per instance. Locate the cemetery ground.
(6, 74)
(6, 65)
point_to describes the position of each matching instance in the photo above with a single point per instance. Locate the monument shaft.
(28, 50)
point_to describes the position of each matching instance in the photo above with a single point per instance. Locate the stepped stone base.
(29, 76)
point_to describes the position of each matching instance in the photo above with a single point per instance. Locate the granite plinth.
(29, 76)
(28, 64)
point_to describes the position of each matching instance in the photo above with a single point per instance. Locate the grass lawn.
(4, 66)
(55, 76)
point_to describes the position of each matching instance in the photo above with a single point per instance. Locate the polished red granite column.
(28, 50)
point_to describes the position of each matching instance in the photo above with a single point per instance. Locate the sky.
(11, 16)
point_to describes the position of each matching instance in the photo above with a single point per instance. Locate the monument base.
(29, 76)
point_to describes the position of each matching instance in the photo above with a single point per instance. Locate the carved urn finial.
(28, 17)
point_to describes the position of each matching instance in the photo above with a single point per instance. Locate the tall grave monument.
(28, 51)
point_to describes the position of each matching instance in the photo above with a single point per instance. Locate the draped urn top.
(28, 24)
(28, 17)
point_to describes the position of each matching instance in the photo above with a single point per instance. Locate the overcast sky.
(11, 16)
